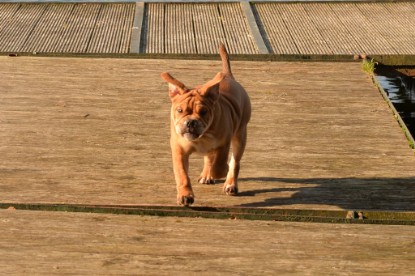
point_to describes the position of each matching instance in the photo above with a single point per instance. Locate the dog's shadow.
(346, 193)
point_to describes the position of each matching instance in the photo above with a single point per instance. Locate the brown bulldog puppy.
(208, 119)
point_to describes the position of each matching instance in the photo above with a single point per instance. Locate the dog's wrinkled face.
(192, 110)
(192, 114)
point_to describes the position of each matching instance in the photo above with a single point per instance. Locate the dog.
(208, 119)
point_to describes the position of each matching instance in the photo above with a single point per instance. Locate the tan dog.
(207, 119)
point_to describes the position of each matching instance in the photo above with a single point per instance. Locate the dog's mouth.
(189, 136)
(191, 133)
(190, 129)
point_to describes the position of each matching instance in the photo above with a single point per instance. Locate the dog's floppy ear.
(211, 88)
(175, 87)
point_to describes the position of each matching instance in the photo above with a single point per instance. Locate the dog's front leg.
(185, 194)
(238, 146)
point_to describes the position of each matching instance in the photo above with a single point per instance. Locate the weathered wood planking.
(209, 31)
(197, 28)
(179, 33)
(153, 30)
(275, 30)
(401, 41)
(338, 28)
(328, 24)
(18, 26)
(364, 32)
(180, 28)
(79, 29)
(112, 29)
(66, 28)
(95, 131)
(239, 39)
(48, 243)
(49, 31)
(308, 39)
(7, 11)
(403, 13)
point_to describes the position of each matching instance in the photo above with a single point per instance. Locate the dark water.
(401, 91)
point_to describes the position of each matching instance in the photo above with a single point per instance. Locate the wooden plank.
(332, 30)
(252, 24)
(160, 29)
(179, 38)
(301, 27)
(192, 28)
(100, 36)
(403, 14)
(389, 28)
(77, 29)
(86, 131)
(209, 32)
(201, 14)
(137, 28)
(244, 213)
(127, 28)
(278, 35)
(18, 30)
(65, 27)
(47, 34)
(110, 35)
(188, 40)
(156, 28)
(80, 26)
(362, 29)
(170, 32)
(73, 243)
(7, 12)
(345, 28)
(236, 30)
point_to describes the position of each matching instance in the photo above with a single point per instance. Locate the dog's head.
(192, 110)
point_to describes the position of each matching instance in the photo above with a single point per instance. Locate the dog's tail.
(226, 66)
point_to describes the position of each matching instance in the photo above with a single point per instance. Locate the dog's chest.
(207, 143)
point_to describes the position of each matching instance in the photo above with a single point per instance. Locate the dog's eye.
(203, 112)
(179, 110)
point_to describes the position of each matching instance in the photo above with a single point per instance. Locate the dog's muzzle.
(191, 130)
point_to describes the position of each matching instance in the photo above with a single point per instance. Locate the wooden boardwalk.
(66, 28)
(197, 28)
(328, 29)
(39, 243)
(346, 28)
(95, 131)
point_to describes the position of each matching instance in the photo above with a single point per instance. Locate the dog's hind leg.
(238, 147)
(220, 166)
(216, 165)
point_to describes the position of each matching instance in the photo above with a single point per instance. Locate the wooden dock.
(39, 243)
(66, 28)
(299, 29)
(95, 131)
(85, 141)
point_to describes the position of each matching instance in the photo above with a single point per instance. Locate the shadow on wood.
(346, 193)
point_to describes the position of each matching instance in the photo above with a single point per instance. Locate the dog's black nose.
(191, 123)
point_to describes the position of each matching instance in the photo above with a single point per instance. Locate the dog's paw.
(206, 180)
(185, 200)
(230, 189)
